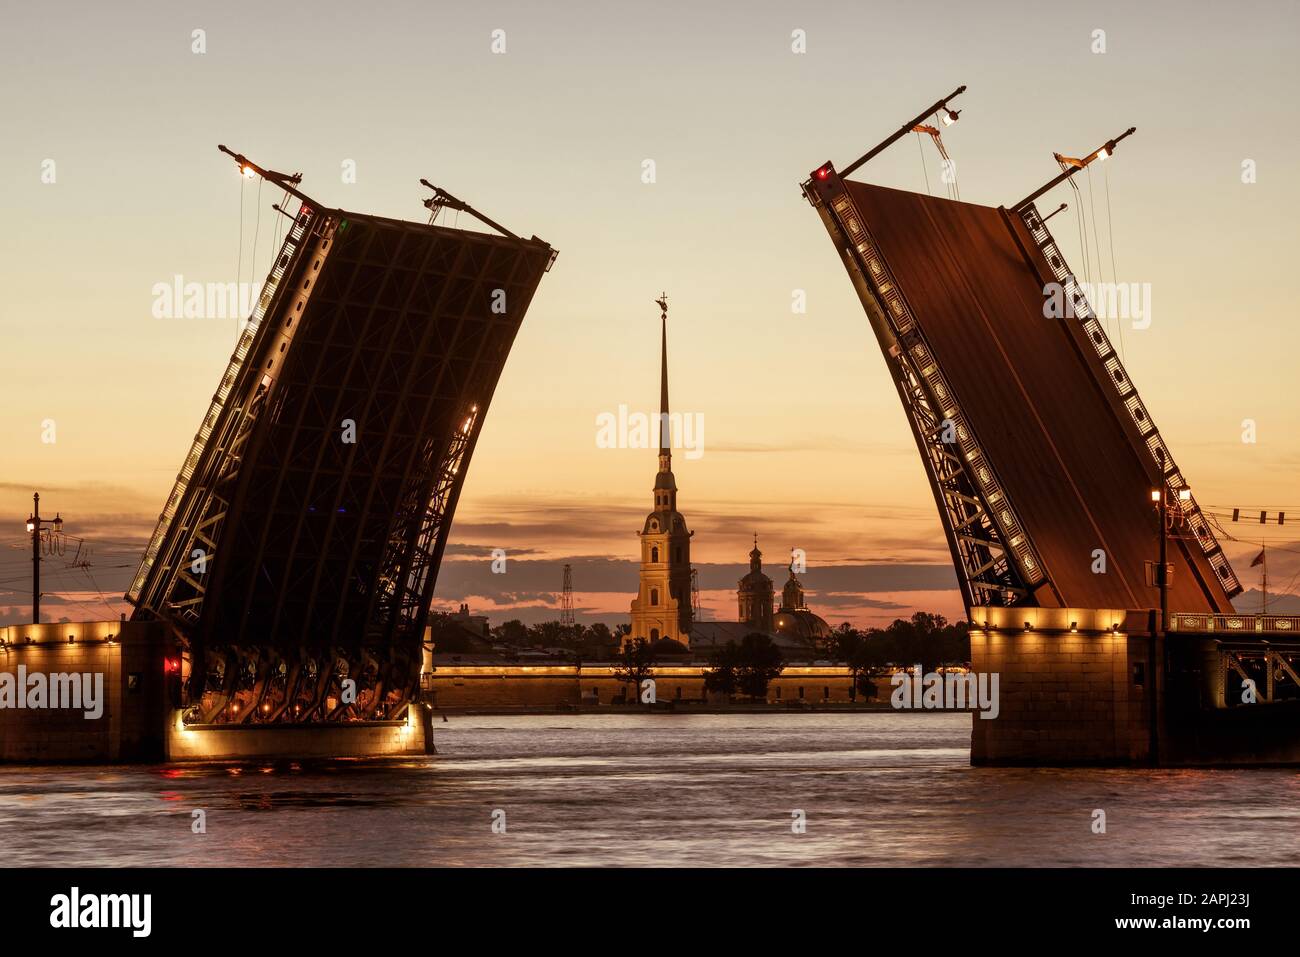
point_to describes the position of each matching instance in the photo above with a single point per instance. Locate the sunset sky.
(805, 441)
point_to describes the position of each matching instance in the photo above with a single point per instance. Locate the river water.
(655, 789)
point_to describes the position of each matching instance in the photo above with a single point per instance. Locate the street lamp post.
(34, 525)
(1155, 652)
(1161, 498)
(1164, 555)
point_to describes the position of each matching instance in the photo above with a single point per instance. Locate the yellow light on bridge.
(1155, 495)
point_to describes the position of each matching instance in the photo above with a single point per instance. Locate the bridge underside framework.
(1039, 451)
(296, 557)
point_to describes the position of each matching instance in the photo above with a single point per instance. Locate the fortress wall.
(525, 687)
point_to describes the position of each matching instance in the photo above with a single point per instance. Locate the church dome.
(802, 625)
(669, 646)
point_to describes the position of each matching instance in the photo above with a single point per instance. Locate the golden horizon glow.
(806, 440)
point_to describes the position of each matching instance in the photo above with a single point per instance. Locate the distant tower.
(566, 599)
(792, 598)
(697, 613)
(754, 593)
(662, 607)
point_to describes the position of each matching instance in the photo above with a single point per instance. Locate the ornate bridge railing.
(1282, 625)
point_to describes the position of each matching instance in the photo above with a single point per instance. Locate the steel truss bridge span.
(1039, 452)
(296, 556)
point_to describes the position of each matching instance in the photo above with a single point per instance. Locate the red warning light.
(171, 665)
(824, 171)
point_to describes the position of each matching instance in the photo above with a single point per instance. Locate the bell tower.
(662, 607)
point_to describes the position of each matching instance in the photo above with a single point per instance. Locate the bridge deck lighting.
(1155, 495)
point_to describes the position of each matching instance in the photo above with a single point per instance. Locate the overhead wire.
(89, 609)
(949, 175)
(1081, 229)
(257, 227)
(920, 148)
(95, 585)
(1096, 233)
(952, 166)
(1110, 242)
(1214, 517)
(239, 262)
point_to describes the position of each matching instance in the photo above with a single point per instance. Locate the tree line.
(748, 667)
(584, 641)
(926, 638)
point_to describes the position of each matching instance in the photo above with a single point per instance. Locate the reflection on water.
(659, 789)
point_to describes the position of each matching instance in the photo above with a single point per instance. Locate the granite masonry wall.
(130, 658)
(1074, 687)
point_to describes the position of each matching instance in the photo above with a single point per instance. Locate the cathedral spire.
(665, 427)
(665, 484)
(662, 608)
